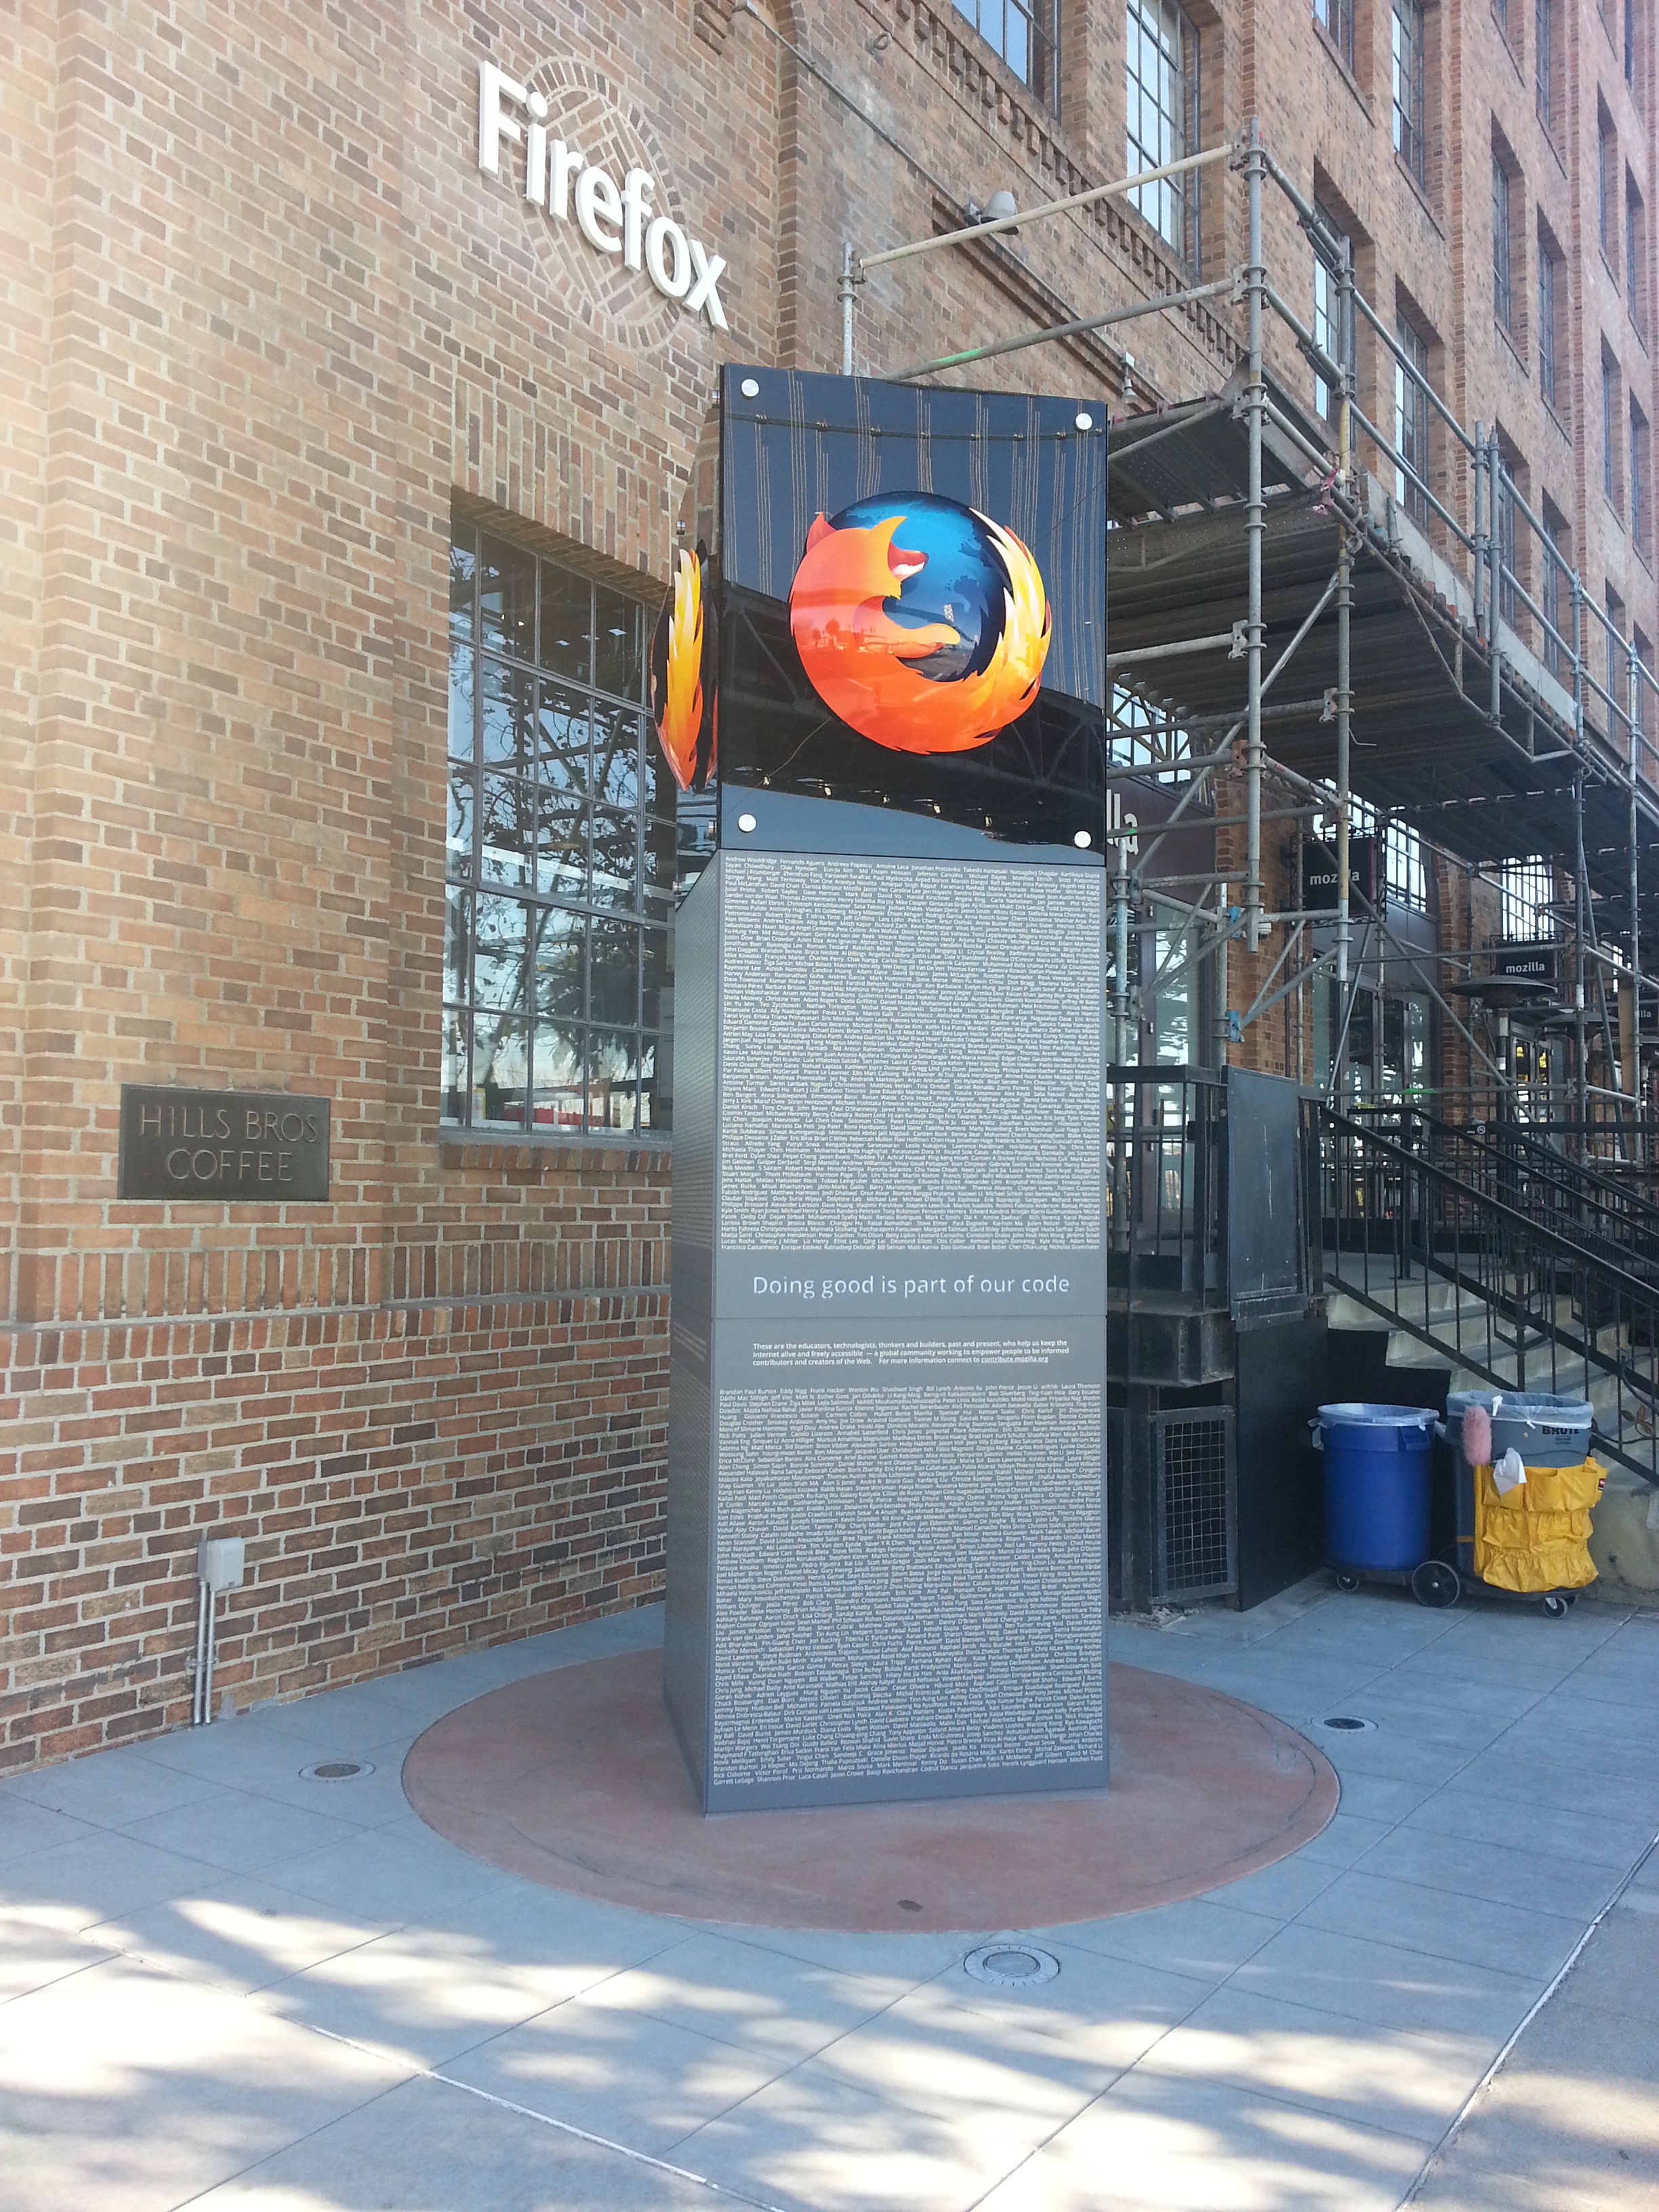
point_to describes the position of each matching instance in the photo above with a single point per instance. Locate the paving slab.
(224, 1983)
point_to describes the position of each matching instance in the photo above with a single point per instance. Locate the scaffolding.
(1312, 545)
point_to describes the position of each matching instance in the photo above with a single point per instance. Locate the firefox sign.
(896, 609)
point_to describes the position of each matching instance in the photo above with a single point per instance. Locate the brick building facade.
(268, 327)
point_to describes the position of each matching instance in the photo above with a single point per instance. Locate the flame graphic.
(858, 660)
(680, 722)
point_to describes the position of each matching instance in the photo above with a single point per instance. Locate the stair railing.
(1529, 1309)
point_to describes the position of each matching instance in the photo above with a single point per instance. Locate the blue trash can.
(1376, 1485)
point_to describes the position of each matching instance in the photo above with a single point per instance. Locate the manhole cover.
(1348, 1724)
(337, 1770)
(1011, 1965)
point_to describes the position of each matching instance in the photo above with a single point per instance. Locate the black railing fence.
(1463, 1245)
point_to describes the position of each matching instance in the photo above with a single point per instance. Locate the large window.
(1547, 71)
(1330, 333)
(1408, 86)
(1503, 290)
(1641, 490)
(1610, 428)
(1554, 569)
(1552, 299)
(1606, 163)
(1636, 232)
(1503, 519)
(559, 852)
(1335, 19)
(1618, 655)
(1526, 893)
(1162, 87)
(1411, 422)
(1023, 34)
(1404, 875)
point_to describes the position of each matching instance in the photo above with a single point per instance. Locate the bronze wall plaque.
(269, 1147)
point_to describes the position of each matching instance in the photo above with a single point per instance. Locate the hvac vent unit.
(1196, 1535)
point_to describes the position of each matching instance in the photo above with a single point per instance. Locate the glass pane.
(561, 739)
(561, 966)
(555, 1076)
(458, 837)
(461, 662)
(618, 637)
(452, 1084)
(560, 846)
(656, 1106)
(506, 599)
(499, 955)
(613, 1081)
(659, 861)
(506, 831)
(661, 812)
(616, 756)
(616, 860)
(614, 1002)
(567, 623)
(508, 728)
(657, 976)
(462, 567)
(499, 1066)
(457, 946)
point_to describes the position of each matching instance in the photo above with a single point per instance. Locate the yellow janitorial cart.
(1526, 1484)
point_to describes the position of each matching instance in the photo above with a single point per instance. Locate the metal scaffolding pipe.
(1255, 525)
(1495, 554)
(1634, 667)
(1343, 735)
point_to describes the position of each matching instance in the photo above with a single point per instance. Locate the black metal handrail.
(1409, 1223)
(1606, 1214)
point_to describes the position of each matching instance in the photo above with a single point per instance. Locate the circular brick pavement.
(574, 1778)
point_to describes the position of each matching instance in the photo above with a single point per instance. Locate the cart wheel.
(1571, 1596)
(1347, 1579)
(1435, 1583)
(1556, 1606)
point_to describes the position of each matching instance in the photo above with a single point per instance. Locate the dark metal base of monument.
(573, 1779)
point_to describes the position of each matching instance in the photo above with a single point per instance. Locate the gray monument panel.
(908, 1583)
(940, 1088)
(886, 1452)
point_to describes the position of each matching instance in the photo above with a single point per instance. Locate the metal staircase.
(1463, 1246)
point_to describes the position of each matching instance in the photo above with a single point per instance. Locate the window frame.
(1171, 207)
(1411, 421)
(1502, 244)
(1546, 73)
(1039, 70)
(515, 703)
(1335, 19)
(1551, 268)
(1526, 895)
(1610, 457)
(1409, 21)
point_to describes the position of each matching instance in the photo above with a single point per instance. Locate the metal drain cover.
(1348, 1724)
(337, 1770)
(1011, 1965)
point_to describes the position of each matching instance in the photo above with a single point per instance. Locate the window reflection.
(552, 866)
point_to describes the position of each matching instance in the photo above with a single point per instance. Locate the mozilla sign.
(612, 218)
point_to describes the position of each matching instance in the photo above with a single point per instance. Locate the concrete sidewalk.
(224, 1983)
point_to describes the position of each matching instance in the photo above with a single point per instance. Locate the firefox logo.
(681, 697)
(919, 622)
